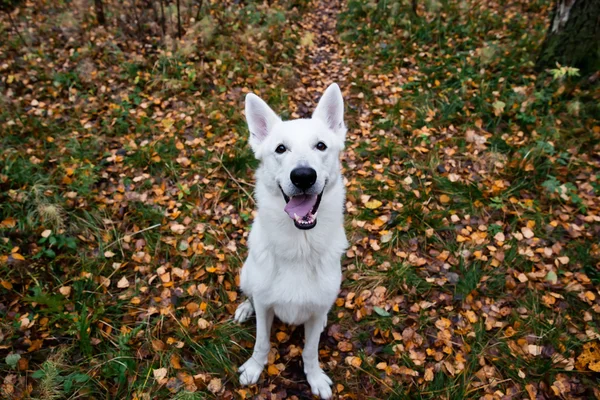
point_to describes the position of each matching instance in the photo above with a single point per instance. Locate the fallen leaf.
(123, 283)
(159, 373)
(373, 204)
(215, 385)
(65, 290)
(528, 233)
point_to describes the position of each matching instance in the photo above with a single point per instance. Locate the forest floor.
(473, 199)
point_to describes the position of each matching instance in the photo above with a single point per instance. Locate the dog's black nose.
(303, 177)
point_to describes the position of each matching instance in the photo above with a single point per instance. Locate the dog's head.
(299, 158)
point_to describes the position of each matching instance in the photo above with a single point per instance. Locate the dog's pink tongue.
(300, 205)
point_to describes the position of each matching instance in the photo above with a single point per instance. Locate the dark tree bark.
(199, 10)
(163, 21)
(573, 38)
(100, 12)
(178, 20)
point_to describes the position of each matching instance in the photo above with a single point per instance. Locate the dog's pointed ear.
(331, 109)
(261, 119)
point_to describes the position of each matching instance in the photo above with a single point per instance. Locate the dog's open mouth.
(303, 209)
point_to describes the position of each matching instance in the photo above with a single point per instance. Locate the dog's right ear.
(261, 120)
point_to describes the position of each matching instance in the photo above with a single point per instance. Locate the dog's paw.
(320, 384)
(250, 372)
(243, 312)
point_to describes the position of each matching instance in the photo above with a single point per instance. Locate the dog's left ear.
(331, 109)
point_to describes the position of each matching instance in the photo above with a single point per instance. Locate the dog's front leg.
(319, 382)
(250, 371)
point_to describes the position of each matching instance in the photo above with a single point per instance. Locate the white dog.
(293, 267)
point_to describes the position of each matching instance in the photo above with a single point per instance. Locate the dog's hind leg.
(319, 382)
(251, 370)
(244, 311)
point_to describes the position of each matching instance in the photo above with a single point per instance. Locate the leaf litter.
(472, 202)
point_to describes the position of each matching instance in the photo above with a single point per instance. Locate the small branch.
(235, 180)
(14, 25)
(137, 20)
(134, 233)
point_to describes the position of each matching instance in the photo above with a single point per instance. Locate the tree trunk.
(163, 21)
(573, 38)
(178, 20)
(100, 12)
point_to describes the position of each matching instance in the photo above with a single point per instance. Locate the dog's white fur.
(293, 273)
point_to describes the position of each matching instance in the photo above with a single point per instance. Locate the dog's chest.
(297, 292)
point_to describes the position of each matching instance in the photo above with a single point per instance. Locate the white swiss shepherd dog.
(293, 269)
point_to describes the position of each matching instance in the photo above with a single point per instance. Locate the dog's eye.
(280, 149)
(321, 146)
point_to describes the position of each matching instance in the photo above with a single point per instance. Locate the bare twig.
(134, 233)
(14, 25)
(137, 20)
(235, 180)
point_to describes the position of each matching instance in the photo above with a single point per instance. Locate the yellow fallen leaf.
(281, 336)
(590, 357)
(272, 370)
(590, 296)
(471, 316)
(381, 365)
(344, 346)
(9, 222)
(353, 361)
(443, 323)
(17, 256)
(407, 371)
(373, 204)
(428, 374)
(444, 199)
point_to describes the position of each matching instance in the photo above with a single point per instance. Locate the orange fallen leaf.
(353, 361)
